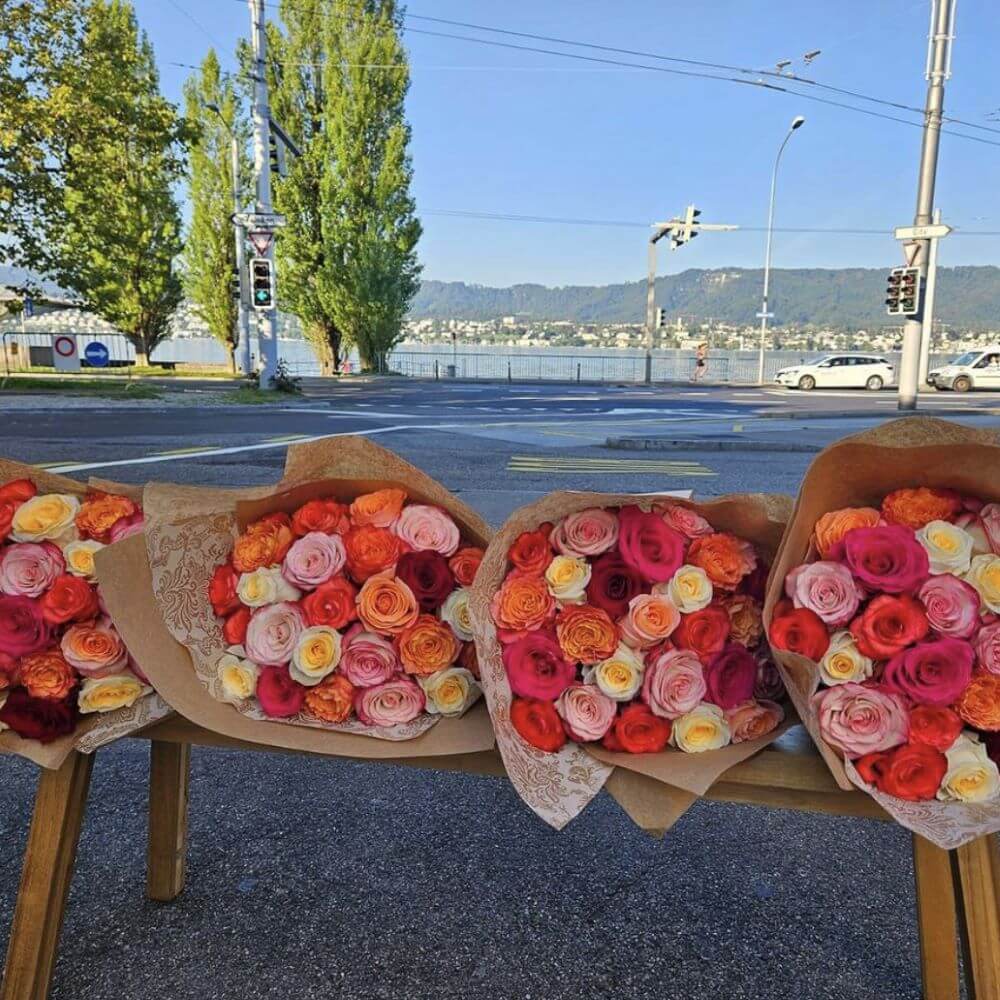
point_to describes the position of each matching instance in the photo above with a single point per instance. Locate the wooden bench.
(958, 892)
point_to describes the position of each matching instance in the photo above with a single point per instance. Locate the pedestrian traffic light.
(902, 293)
(661, 318)
(262, 283)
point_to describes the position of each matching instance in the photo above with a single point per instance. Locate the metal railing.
(35, 353)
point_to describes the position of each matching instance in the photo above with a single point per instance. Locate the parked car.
(839, 371)
(979, 369)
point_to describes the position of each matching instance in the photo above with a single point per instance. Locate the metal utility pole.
(243, 313)
(942, 33)
(927, 330)
(267, 320)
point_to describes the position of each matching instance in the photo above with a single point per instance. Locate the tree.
(118, 228)
(209, 254)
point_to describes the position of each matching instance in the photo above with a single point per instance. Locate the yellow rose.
(265, 586)
(690, 589)
(237, 676)
(316, 655)
(50, 516)
(843, 661)
(450, 691)
(948, 547)
(984, 575)
(567, 578)
(971, 775)
(703, 728)
(455, 611)
(106, 694)
(79, 558)
(619, 676)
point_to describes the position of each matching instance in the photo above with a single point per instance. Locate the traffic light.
(234, 286)
(661, 318)
(277, 154)
(902, 293)
(262, 283)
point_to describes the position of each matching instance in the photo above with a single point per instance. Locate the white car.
(978, 369)
(839, 371)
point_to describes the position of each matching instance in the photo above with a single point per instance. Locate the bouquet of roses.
(890, 626)
(631, 627)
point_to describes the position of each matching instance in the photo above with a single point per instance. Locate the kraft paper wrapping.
(97, 730)
(859, 471)
(558, 786)
(159, 597)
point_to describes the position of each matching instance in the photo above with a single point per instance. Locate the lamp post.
(797, 122)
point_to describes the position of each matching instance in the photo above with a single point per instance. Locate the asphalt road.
(312, 879)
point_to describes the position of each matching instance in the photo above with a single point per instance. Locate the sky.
(498, 131)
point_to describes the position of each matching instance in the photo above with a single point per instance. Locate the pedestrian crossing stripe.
(619, 466)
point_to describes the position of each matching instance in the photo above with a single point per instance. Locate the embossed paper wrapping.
(558, 786)
(859, 471)
(95, 730)
(191, 530)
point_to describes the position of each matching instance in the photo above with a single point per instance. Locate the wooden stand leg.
(937, 920)
(169, 768)
(978, 881)
(60, 801)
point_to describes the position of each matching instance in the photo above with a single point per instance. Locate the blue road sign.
(96, 354)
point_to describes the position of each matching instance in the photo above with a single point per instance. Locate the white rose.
(567, 577)
(265, 586)
(948, 547)
(316, 655)
(984, 575)
(971, 775)
(455, 611)
(237, 675)
(843, 662)
(619, 676)
(450, 691)
(49, 517)
(689, 589)
(703, 728)
(79, 558)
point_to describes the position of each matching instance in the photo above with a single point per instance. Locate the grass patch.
(99, 388)
(185, 371)
(257, 397)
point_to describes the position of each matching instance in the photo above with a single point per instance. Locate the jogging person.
(700, 362)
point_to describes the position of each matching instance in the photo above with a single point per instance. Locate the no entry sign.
(65, 357)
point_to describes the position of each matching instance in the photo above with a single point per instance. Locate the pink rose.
(586, 533)
(686, 521)
(398, 700)
(368, 659)
(537, 668)
(649, 620)
(28, 569)
(23, 630)
(857, 719)
(313, 559)
(587, 712)
(827, 588)
(973, 526)
(990, 518)
(931, 673)
(273, 633)
(730, 676)
(648, 545)
(126, 527)
(674, 683)
(753, 719)
(951, 605)
(94, 649)
(426, 528)
(988, 648)
(887, 558)
(280, 697)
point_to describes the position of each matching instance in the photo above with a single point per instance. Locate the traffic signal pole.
(938, 70)
(243, 311)
(651, 300)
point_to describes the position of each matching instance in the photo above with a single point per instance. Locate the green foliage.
(282, 381)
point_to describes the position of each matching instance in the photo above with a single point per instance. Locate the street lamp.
(797, 122)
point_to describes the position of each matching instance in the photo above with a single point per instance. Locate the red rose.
(538, 723)
(328, 516)
(536, 667)
(23, 630)
(730, 676)
(613, 583)
(9, 669)
(531, 551)
(234, 629)
(428, 575)
(755, 582)
(637, 730)
(934, 727)
(649, 545)
(464, 564)
(69, 599)
(704, 631)
(331, 603)
(222, 590)
(280, 697)
(912, 771)
(869, 765)
(888, 625)
(39, 719)
(18, 490)
(800, 631)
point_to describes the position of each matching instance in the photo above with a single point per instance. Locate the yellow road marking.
(551, 464)
(185, 451)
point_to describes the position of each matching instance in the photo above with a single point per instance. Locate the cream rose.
(948, 547)
(619, 676)
(703, 728)
(450, 692)
(689, 588)
(47, 517)
(79, 558)
(984, 575)
(265, 586)
(106, 694)
(317, 654)
(843, 661)
(971, 775)
(567, 577)
(455, 612)
(237, 675)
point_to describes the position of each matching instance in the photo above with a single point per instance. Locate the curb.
(707, 444)
(972, 411)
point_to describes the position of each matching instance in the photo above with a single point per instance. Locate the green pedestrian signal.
(262, 283)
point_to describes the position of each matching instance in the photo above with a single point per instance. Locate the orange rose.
(725, 558)
(100, 512)
(332, 700)
(371, 550)
(427, 646)
(324, 515)
(378, 509)
(264, 543)
(979, 705)
(832, 526)
(919, 506)
(745, 625)
(650, 619)
(47, 675)
(522, 603)
(464, 564)
(586, 634)
(94, 650)
(387, 605)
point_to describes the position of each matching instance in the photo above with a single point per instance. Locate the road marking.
(626, 466)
